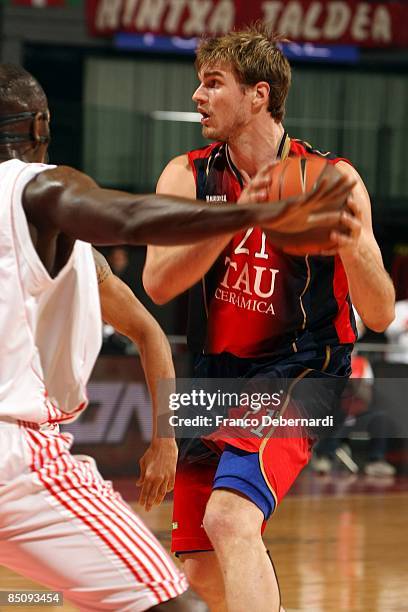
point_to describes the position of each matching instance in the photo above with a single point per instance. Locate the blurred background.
(119, 76)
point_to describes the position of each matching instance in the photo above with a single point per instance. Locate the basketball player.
(61, 524)
(256, 312)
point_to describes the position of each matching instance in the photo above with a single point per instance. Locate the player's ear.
(261, 95)
(41, 127)
(40, 133)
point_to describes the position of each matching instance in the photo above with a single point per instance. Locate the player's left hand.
(347, 242)
(353, 223)
(157, 471)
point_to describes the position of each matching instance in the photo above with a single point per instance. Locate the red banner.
(44, 3)
(38, 3)
(369, 24)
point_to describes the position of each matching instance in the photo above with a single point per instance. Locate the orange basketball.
(296, 175)
(293, 177)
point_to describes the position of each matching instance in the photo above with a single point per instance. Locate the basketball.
(297, 175)
(293, 177)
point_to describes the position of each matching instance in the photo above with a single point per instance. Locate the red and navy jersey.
(256, 300)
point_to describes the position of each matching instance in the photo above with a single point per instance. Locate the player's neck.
(6, 153)
(256, 146)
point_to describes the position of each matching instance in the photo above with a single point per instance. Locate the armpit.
(103, 269)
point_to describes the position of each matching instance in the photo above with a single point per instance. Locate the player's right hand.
(157, 472)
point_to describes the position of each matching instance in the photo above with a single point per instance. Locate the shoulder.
(348, 170)
(179, 163)
(305, 149)
(49, 188)
(180, 175)
(55, 181)
(343, 165)
(177, 178)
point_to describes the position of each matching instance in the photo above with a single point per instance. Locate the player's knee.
(222, 525)
(205, 577)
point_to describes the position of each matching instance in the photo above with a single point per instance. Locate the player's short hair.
(19, 90)
(254, 55)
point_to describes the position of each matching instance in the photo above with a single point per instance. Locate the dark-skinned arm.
(122, 310)
(65, 200)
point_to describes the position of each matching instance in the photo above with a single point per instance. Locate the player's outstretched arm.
(122, 310)
(63, 200)
(67, 201)
(371, 288)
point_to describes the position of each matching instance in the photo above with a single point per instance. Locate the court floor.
(339, 543)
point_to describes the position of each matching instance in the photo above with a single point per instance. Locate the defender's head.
(250, 72)
(24, 116)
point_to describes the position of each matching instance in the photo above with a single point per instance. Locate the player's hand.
(346, 240)
(256, 189)
(347, 243)
(319, 239)
(316, 208)
(157, 471)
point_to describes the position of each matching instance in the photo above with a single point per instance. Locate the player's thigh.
(192, 491)
(240, 472)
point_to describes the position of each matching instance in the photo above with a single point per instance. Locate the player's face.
(223, 103)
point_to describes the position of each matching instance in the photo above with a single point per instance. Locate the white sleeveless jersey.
(50, 329)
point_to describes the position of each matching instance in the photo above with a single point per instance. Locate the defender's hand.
(157, 471)
(256, 189)
(321, 239)
(315, 208)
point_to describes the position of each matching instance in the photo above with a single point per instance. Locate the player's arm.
(371, 288)
(64, 200)
(122, 310)
(169, 271)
